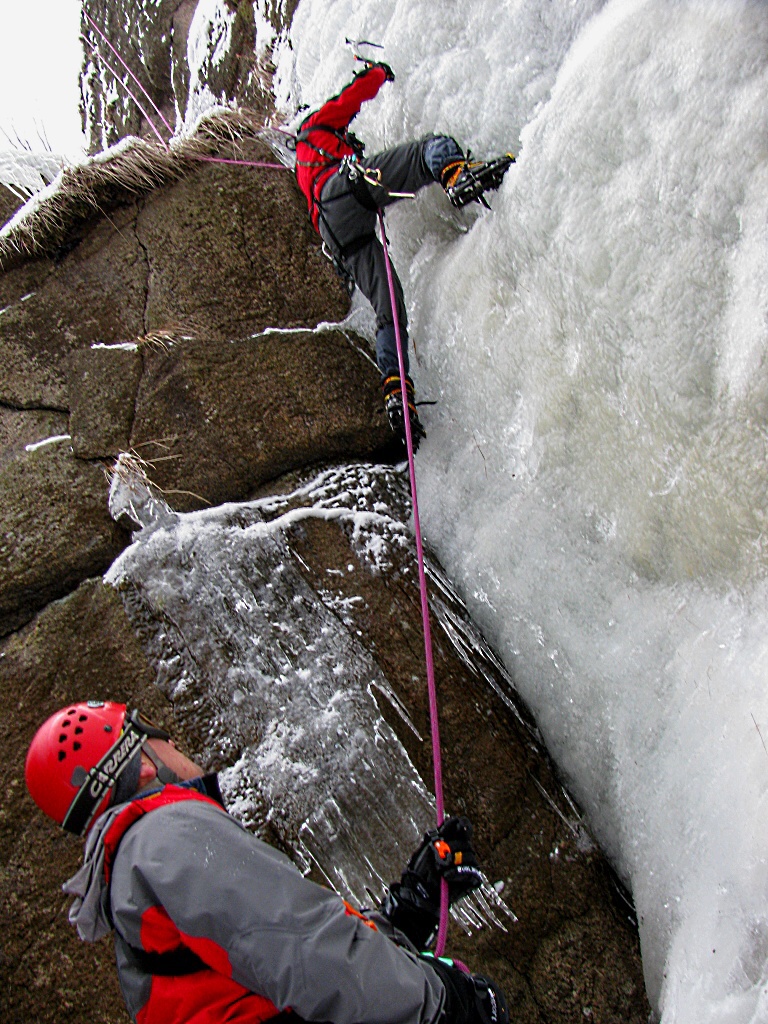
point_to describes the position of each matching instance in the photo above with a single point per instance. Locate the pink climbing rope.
(117, 78)
(239, 163)
(431, 688)
(136, 80)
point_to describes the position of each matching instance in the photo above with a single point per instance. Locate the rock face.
(56, 529)
(102, 384)
(152, 41)
(194, 323)
(145, 330)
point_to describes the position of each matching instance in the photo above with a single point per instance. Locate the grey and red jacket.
(321, 143)
(212, 925)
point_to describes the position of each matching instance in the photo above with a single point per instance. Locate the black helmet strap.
(96, 783)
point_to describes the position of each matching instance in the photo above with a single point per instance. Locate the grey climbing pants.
(348, 218)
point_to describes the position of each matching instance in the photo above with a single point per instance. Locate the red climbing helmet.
(64, 751)
(68, 773)
(77, 757)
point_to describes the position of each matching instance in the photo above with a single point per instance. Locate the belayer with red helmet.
(210, 923)
(345, 190)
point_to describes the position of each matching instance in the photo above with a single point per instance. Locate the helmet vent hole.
(83, 718)
(63, 738)
(62, 754)
(66, 723)
(76, 745)
(78, 730)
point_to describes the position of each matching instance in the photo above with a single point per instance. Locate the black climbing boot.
(465, 181)
(393, 404)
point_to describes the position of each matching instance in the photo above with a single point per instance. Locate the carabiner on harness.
(355, 172)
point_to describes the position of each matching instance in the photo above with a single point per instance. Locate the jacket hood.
(89, 912)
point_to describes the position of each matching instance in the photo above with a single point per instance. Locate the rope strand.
(102, 58)
(431, 688)
(136, 80)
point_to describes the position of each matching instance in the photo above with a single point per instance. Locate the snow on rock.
(266, 666)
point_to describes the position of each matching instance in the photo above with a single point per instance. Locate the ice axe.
(362, 42)
(355, 43)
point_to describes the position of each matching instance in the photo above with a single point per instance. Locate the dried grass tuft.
(133, 470)
(164, 339)
(133, 168)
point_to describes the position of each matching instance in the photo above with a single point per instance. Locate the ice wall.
(272, 674)
(595, 471)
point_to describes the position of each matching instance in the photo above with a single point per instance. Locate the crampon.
(475, 178)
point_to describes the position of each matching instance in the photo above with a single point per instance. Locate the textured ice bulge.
(273, 675)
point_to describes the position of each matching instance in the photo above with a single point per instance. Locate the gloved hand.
(413, 904)
(386, 69)
(445, 852)
(469, 998)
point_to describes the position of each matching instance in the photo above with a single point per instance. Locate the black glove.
(445, 852)
(469, 998)
(415, 918)
(413, 904)
(386, 69)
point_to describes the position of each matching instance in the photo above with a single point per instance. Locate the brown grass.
(134, 168)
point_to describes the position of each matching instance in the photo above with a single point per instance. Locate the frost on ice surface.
(263, 668)
(350, 493)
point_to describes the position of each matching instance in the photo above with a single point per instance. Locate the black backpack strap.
(346, 138)
(178, 962)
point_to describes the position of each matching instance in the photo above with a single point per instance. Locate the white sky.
(40, 59)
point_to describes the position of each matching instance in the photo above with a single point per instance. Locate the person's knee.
(439, 151)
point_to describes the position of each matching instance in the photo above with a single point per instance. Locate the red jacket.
(319, 152)
(209, 994)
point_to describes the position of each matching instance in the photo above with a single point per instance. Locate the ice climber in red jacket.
(345, 190)
(212, 925)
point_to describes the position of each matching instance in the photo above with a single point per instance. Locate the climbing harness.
(358, 188)
(360, 179)
(442, 930)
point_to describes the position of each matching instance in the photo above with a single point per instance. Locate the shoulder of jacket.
(143, 811)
